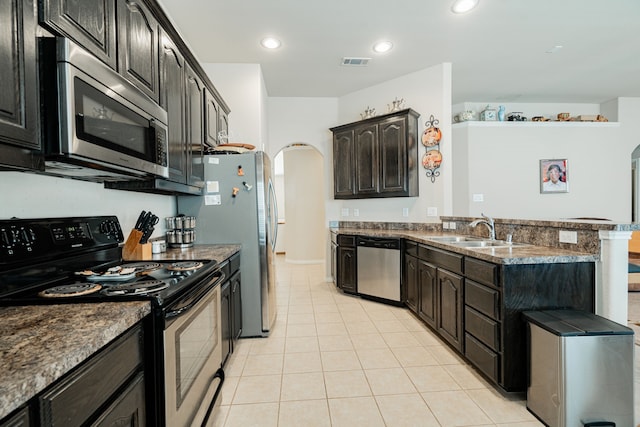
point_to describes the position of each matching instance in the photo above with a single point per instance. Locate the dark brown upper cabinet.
(194, 126)
(172, 98)
(90, 23)
(212, 123)
(138, 46)
(19, 130)
(377, 157)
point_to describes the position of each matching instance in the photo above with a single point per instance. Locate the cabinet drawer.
(482, 357)
(444, 259)
(410, 248)
(77, 397)
(483, 299)
(483, 328)
(481, 271)
(346, 240)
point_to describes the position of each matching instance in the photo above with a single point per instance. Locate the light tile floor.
(336, 360)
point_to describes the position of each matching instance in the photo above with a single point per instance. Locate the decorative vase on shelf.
(501, 113)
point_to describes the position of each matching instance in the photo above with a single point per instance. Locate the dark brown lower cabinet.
(475, 306)
(346, 264)
(20, 419)
(113, 378)
(450, 303)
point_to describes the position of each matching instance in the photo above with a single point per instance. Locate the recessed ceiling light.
(270, 43)
(382, 47)
(463, 6)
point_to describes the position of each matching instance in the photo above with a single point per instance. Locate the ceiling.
(498, 51)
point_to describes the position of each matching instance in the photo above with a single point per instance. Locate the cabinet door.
(18, 79)
(347, 269)
(411, 282)
(211, 112)
(393, 155)
(128, 409)
(449, 316)
(334, 254)
(225, 316)
(21, 419)
(236, 307)
(366, 160)
(428, 284)
(194, 127)
(343, 164)
(91, 23)
(223, 126)
(172, 98)
(138, 46)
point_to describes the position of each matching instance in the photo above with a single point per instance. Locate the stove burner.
(184, 266)
(142, 267)
(136, 288)
(73, 290)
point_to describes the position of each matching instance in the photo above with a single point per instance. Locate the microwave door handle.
(195, 300)
(219, 374)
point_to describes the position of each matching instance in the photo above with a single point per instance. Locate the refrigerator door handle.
(272, 208)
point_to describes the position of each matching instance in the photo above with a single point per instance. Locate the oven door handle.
(219, 374)
(193, 300)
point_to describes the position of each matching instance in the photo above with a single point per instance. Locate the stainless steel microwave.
(98, 126)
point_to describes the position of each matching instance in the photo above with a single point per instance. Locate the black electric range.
(71, 260)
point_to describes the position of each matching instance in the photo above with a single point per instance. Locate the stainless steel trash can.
(580, 369)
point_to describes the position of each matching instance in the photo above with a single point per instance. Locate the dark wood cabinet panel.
(346, 264)
(334, 262)
(428, 285)
(172, 98)
(129, 409)
(393, 152)
(343, 161)
(138, 46)
(482, 298)
(194, 107)
(376, 157)
(20, 419)
(366, 159)
(412, 295)
(450, 305)
(72, 401)
(212, 121)
(236, 307)
(19, 104)
(91, 23)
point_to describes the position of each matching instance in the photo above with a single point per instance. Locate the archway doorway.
(299, 182)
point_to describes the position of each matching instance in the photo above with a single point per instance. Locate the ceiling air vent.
(355, 62)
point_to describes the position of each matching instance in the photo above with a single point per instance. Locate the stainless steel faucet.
(488, 221)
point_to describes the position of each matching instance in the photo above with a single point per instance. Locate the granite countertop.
(217, 253)
(41, 343)
(529, 254)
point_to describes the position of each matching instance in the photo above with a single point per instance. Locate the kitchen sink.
(454, 239)
(487, 244)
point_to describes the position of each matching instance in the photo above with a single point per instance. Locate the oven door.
(193, 356)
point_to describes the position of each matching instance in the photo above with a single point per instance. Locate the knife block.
(133, 250)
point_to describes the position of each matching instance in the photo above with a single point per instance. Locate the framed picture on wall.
(553, 176)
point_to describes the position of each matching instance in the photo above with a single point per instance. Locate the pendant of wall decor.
(432, 158)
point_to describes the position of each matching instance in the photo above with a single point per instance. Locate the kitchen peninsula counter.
(529, 254)
(41, 343)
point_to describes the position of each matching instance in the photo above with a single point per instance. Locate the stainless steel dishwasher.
(379, 267)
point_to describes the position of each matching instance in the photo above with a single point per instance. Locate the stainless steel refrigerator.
(238, 205)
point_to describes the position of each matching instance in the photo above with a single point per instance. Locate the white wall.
(428, 92)
(242, 88)
(501, 160)
(26, 195)
(305, 237)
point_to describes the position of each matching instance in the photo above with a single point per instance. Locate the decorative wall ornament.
(368, 113)
(431, 140)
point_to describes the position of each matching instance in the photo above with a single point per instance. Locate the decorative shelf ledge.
(477, 123)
